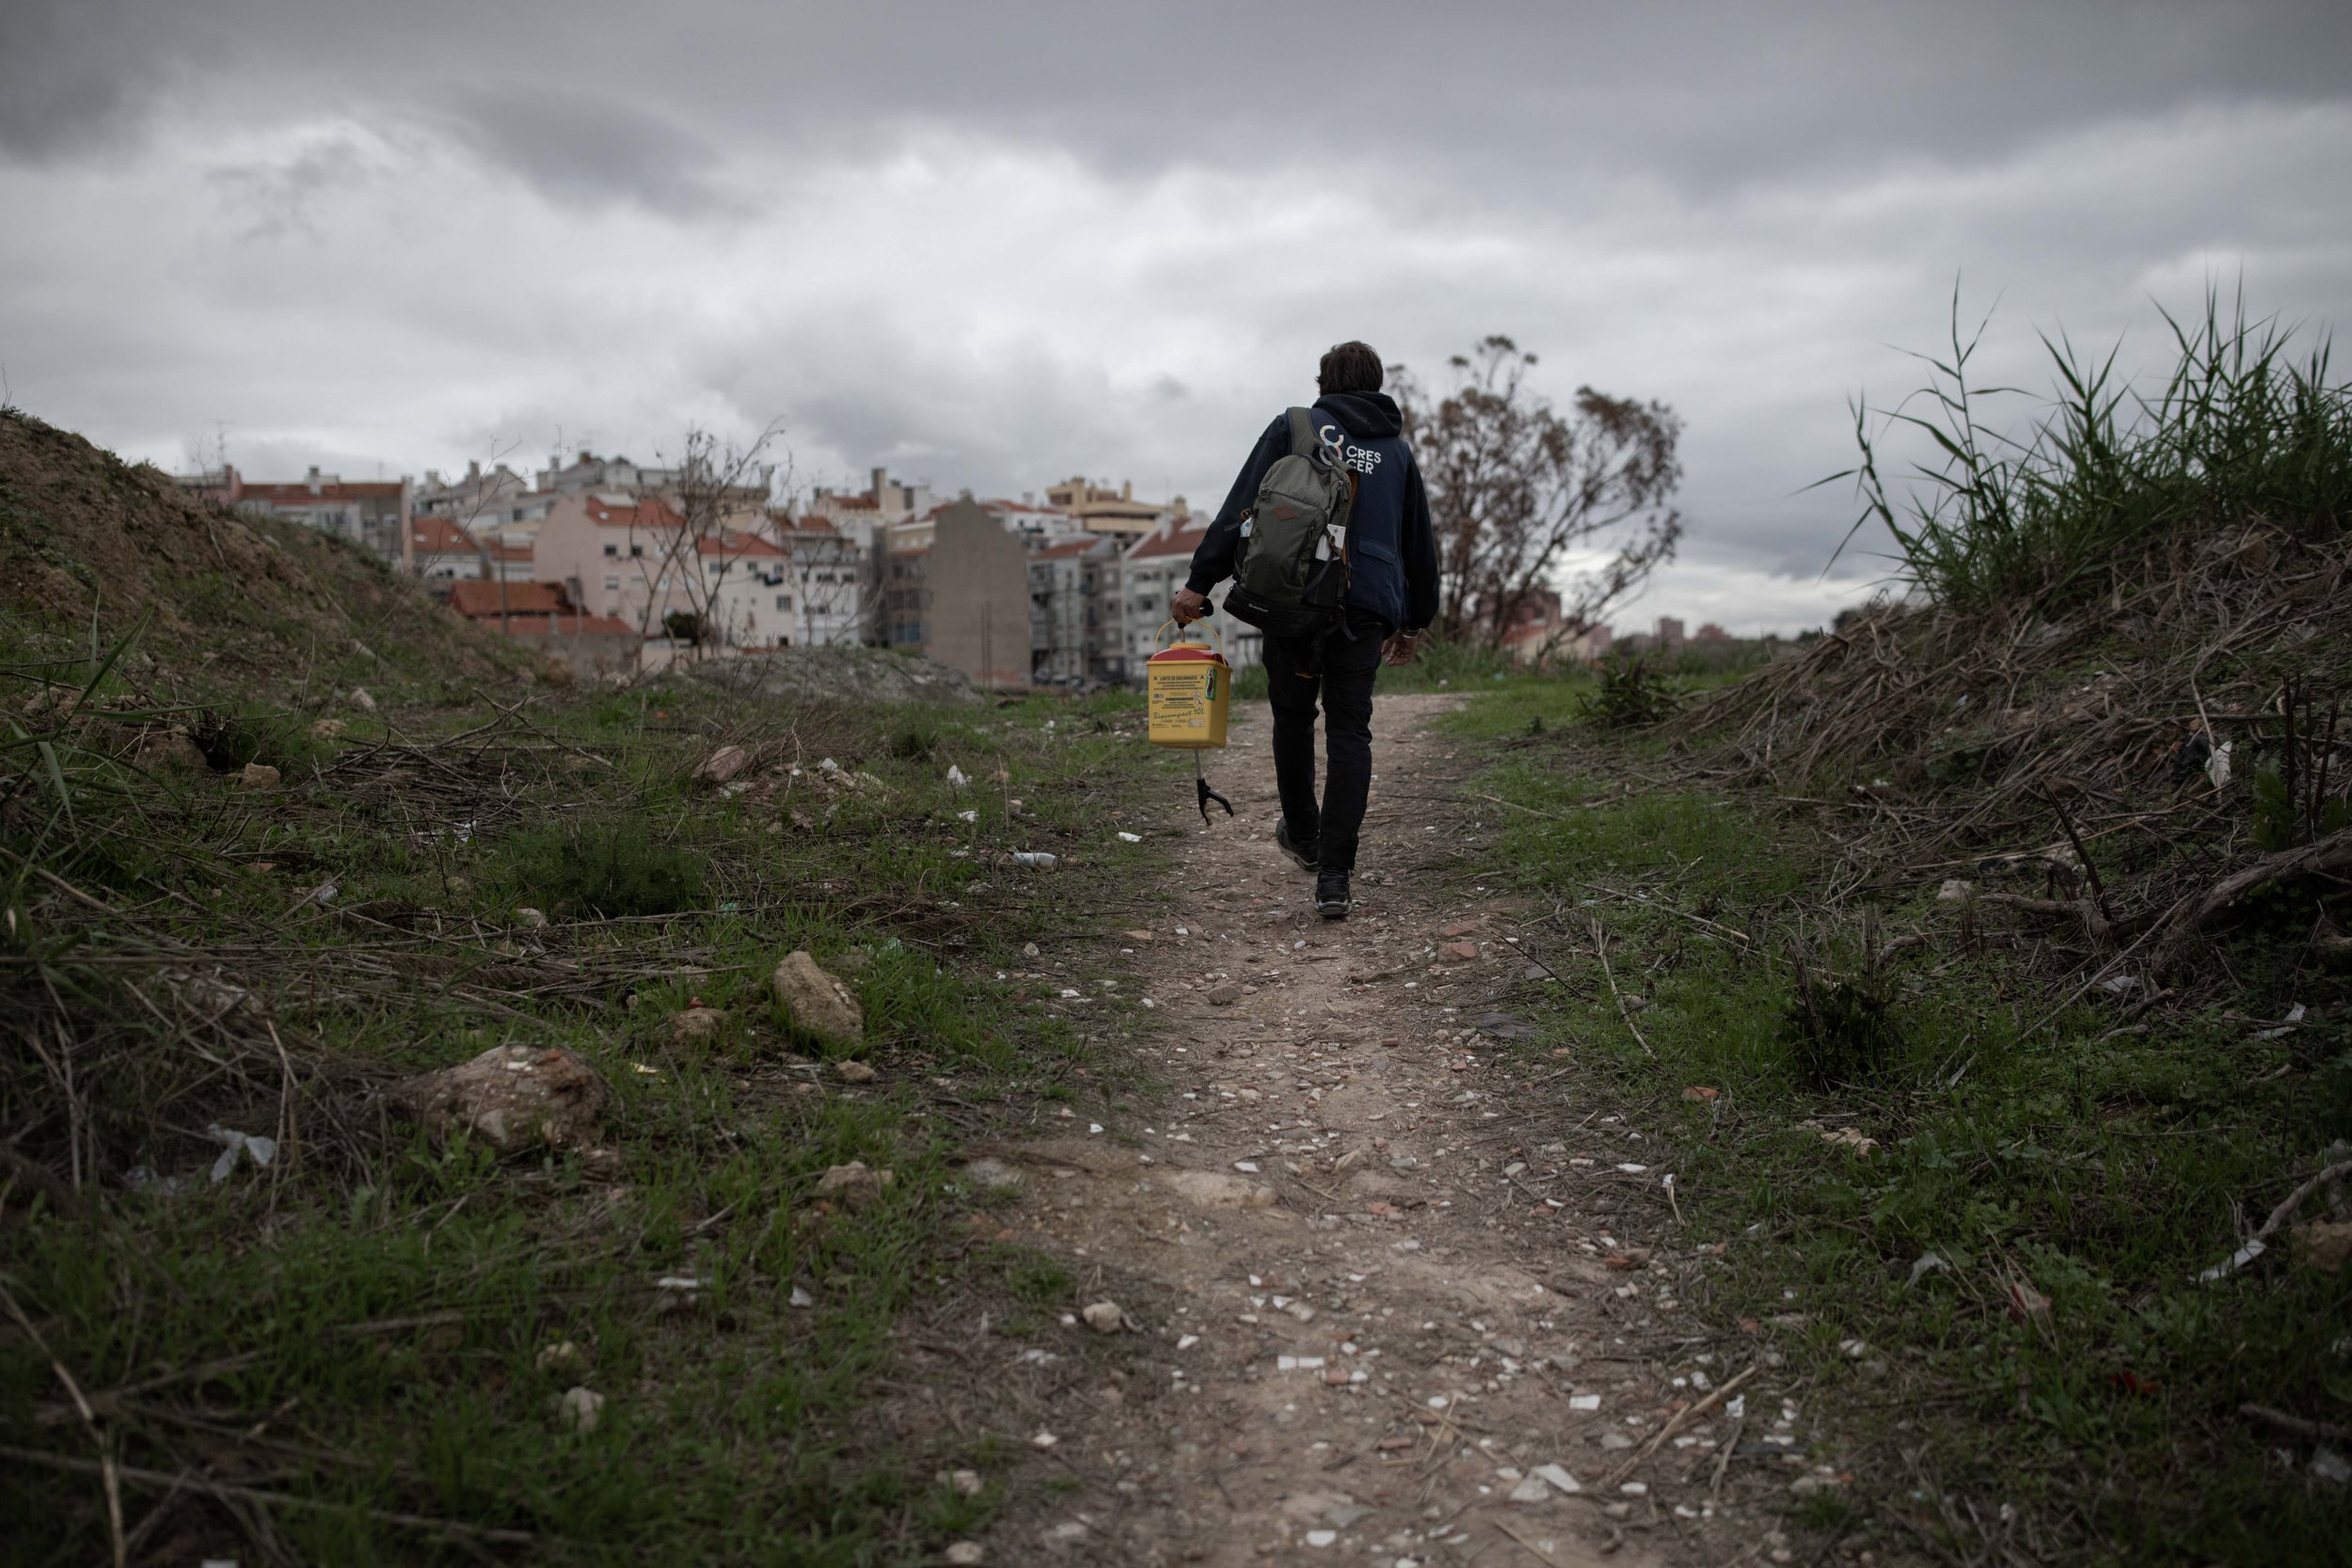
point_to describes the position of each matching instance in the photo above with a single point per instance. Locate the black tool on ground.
(1207, 794)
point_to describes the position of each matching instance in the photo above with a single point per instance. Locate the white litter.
(262, 1151)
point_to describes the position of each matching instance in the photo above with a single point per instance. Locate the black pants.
(1340, 670)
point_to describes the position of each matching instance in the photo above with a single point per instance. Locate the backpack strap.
(1303, 441)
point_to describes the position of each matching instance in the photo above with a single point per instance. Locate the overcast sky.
(994, 245)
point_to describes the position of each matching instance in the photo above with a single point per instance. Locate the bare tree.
(717, 497)
(1517, 492)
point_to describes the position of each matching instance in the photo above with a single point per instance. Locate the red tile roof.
(1182, 539)
(436, 535)
(572, 625)
(738, 546)
(478, 600)
(1068, 547)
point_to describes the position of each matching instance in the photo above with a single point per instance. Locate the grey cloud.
(1548, 98)
(592, 147)
(273, 200)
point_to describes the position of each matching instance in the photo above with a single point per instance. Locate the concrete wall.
(977, 582)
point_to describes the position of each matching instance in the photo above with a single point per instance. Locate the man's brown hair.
(1349, 367)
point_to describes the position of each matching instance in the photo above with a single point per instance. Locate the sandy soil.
(1377, 1306)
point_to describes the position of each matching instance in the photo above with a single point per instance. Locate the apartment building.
(963, 598)
(1154, 568)
(1101, 510)
(1061, 574)
(371, 513)
(827, 593)
(623, 558)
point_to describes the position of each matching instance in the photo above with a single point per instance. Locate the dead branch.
(2330, 856)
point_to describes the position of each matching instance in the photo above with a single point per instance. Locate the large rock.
(816, 1002)
(722, 764)
(514, 1098)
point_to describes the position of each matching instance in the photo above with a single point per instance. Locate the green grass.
(2105, 1169)
(372, 1311)
(2236, 432)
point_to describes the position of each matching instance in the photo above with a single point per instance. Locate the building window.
(612, 549)
(636, 549)
(611, 584)
(784, 601)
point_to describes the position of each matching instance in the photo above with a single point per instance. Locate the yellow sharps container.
(1188, 688)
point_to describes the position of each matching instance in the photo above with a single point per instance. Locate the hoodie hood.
(1371, 415)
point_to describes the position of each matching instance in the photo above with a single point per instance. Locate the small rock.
(853, 960)
(2322, 1245)
(816, 1002)
(1458, 952)
(1531, 1491)
(1105, 1317)
(259, 775)
(531, 919)
(855, 1187)
(965, 1554)
(853, 1072)
(1224, 995)
(968, 1482)
(328, 729)
(361, 700)
(722, 764)
(986, 1173)
(170, 747)
(694, 1025)
(579, 1410)
(1028, 950)
(1459, 929)
(1956, 890)
(512, 1097)
(1557, 1477)
(563, 1353)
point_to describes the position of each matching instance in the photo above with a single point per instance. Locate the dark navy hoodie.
(1392, 554)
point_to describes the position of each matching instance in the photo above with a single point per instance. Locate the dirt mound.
(235, 600)
(840, 674)
(2124, 754)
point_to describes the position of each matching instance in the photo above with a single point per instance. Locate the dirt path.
(1376, 1311)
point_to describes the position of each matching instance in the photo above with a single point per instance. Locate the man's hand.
(1398, 649)
(1187, 607)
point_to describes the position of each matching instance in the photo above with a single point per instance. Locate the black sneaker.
(1332, 897)
(1302, 855)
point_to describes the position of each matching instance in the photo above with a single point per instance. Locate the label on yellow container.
(1187, 700)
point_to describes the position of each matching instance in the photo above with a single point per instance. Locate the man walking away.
(1389, 558)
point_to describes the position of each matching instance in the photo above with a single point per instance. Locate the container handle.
(1157, 646)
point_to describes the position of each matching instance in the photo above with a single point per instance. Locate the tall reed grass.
(2238, 431)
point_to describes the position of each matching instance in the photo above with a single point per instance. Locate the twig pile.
(2108, 735)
